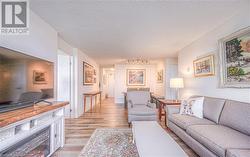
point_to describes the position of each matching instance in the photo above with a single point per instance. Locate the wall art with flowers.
(235, 59)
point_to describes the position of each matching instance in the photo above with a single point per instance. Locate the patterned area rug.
(110, 143)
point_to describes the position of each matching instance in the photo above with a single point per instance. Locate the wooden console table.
(91, 95)
(163, 103)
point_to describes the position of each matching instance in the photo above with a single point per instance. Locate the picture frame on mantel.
(136, 77)
(89, 74)
(204, 66)
(235, 60)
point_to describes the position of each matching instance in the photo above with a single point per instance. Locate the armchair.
(139, 106)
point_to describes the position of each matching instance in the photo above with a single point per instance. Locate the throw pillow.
(193, 106)
(186, 107)
(197, 107)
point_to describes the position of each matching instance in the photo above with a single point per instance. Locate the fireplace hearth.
(36, 145)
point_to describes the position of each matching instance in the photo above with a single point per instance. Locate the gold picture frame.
(39, 77)
(160, 76)
(204, 66)
(89, 74)
(136, 77)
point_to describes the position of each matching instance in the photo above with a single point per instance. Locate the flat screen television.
(24, 80)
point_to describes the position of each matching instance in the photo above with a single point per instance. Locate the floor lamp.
(176, 83)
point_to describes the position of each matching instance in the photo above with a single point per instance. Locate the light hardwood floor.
(79, 130)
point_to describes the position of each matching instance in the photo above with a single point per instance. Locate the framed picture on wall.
(235, 59)
(89, 74)
(160, 76)
(39, 77)
(204, 66)
(136, 77)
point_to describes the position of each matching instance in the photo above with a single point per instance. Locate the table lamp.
(176, 83)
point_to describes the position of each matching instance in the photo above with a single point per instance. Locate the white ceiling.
(109, 31)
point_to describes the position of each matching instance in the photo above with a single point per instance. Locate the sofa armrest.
(172, 109)
(130, 104)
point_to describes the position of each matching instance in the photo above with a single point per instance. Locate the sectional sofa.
(223, 132)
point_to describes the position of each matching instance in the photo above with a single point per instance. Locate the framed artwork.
(235, 59)
(39, 77)
(89, 74)
(160, 76)
(204, 66)
(136, 77)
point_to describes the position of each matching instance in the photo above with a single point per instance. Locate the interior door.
(110, 83)
(64, 81)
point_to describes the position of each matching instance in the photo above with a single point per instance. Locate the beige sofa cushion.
(138, 97)
(238, 153)
(212, 108)
(236, 115)
(184, 121)
(218, 138)
(142, 110)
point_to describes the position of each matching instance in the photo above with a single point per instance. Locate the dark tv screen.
(24, 79)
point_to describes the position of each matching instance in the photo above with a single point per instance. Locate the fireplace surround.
(32, 132)
(36, 145)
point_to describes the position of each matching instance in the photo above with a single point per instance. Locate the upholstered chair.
(139, 106)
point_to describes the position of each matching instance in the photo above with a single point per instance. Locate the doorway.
(108, 82)
(64, 80)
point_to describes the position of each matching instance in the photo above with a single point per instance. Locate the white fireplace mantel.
(41, 118)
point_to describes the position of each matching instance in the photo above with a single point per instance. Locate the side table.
(163, 103)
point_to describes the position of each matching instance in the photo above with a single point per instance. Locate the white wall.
(120, 79)
(171, 71)
(64, 81)
(65, 47)
(41, 41)
(160, 87)
(80, 89)
(208, 44)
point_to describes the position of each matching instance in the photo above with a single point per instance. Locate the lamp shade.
(176, 83)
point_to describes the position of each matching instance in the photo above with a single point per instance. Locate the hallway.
(79, 130)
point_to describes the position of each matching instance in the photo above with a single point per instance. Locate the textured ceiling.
(109, 31)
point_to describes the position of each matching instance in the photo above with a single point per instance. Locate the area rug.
(109, 142)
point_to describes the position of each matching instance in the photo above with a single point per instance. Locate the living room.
(125, 78)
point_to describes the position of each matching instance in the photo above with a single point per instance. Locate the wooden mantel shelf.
(10, 117)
